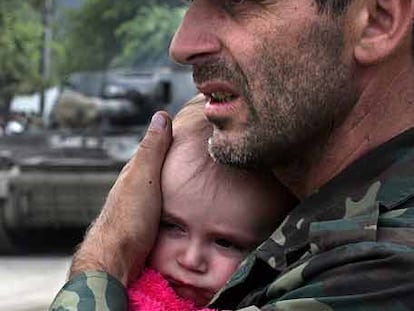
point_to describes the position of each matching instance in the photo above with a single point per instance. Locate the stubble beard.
(302, 96)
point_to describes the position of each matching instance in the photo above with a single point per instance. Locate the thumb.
(153, 147)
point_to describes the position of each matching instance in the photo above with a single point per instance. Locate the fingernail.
(158, 121)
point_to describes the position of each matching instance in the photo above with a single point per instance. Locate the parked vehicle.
(58, 178)
(124, 97)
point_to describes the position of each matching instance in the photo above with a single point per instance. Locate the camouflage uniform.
(349, 246)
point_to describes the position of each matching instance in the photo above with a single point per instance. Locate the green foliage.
(106, 32)
(147, 36)
(90, 40)
(20, 42)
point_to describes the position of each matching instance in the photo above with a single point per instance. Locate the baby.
(212, 217)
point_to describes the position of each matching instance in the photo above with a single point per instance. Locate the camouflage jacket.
(348, 247)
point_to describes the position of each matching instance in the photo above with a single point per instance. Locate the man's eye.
(227, 4)
(228, 1)
(234, 6)
(233, 3)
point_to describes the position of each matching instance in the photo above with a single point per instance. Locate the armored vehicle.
(57, 179)
(125, 97)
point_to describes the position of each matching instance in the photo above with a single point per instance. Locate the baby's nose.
(193, 258)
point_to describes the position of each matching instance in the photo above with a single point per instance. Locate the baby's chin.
(198, 296)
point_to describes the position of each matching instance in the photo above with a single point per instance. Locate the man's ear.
(384, 26)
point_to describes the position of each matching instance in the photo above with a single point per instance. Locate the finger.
(143, 171)
(153, 147)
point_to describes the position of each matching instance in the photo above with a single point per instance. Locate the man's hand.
(123, 234)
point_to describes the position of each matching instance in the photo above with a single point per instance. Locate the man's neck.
(384, 110)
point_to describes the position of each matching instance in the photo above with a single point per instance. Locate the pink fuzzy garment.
(151, 292)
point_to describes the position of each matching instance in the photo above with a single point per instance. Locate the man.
(321, 92)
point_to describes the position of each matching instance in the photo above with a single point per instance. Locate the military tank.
(56, 180)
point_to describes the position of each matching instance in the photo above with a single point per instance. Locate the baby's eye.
(170, 226)
(226, 244)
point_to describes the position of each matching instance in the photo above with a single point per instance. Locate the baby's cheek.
(155, 260)
(224, 269)
(161, 254)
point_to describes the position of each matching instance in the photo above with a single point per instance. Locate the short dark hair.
(336, 7)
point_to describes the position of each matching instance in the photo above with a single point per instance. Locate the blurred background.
(79, 80)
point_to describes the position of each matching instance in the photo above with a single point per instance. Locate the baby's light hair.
(191, 122)
(192, 130)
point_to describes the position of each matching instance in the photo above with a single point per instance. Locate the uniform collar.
(346, 209)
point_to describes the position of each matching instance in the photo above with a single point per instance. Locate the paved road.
(30, 283)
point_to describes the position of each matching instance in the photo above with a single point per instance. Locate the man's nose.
(196, 38)
(193, 258)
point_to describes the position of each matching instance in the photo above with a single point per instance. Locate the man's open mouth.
(218, 92)
(221, 97)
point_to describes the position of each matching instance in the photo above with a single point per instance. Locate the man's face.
(275, 74)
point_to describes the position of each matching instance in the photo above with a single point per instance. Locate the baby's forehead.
(189, 159)
(189, 166)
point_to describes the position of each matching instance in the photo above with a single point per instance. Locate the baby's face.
(209, 223)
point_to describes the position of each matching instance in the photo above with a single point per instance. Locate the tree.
(97, 35)
(146, 37)
(20, 41)
(89, 37)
